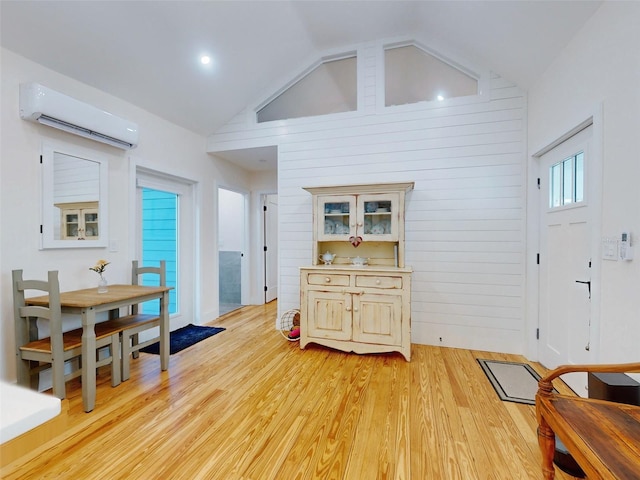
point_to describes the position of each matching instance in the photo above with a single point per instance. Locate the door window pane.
(159, 242)
(579, 186)
(567, 184)
(566, 180)
(556, 185)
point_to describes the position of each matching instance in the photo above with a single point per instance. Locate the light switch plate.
(610, 248)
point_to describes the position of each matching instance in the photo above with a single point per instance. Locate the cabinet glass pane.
(91, 229)
(336, 218)
(72, 230)
(377, 217)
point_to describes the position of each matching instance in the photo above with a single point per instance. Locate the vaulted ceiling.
(147, 52)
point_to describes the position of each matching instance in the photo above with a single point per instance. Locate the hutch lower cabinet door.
(329, 315)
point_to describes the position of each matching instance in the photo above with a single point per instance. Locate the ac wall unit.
(43, 105)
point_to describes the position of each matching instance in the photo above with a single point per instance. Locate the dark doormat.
(183, 338)
(513, 381)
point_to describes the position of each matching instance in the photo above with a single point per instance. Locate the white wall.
(231, 231)
(163, 146)
(600, 69)
(465, 218)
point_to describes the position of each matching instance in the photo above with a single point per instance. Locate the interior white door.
(565, 258)
(271, 247)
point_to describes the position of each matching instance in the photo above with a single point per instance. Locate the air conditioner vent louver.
(43, 105)
(54, 122)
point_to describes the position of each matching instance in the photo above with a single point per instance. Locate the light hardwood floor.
(247, 404)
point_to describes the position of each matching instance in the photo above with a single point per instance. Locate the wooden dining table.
(88, 303)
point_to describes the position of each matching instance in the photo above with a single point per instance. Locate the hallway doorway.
(231, 241)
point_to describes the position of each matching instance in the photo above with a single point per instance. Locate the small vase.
(103, 286)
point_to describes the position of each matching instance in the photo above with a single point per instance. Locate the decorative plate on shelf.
(370, 207)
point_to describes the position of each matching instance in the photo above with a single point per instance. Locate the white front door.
(566, 257)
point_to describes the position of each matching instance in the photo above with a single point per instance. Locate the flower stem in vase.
(103, 286)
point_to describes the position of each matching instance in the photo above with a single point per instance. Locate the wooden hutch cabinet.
(356, 295)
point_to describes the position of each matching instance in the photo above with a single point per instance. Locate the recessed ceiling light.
(440, 98)
(205, 59)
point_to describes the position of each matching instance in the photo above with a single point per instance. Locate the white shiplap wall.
(465, 234)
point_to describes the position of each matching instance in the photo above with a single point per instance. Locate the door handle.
(588, 283)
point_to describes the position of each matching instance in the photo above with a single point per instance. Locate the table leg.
(164, 331)
(88, 359)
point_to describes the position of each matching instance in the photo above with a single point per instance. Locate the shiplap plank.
(468, 278)
(454, 225)
(467, 322)
(471, 311)
(468, 236)
(427, 286)
(455, 245)
(453, 267)
(417, 217)
(488, 301)
(475, 257)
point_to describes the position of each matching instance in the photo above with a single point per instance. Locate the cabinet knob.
(328, 280)
(355, 309)
(360, 224)
(348, 309)
(378, 282)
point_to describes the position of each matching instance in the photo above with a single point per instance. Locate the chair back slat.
(137, 271)
(36, 312)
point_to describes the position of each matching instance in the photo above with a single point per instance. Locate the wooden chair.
(603, 437)
(35, 355)
(138, 322)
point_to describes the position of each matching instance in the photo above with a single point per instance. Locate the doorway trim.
(532, 295)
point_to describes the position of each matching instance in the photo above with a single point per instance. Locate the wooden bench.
(603, 437)
(28, 419)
